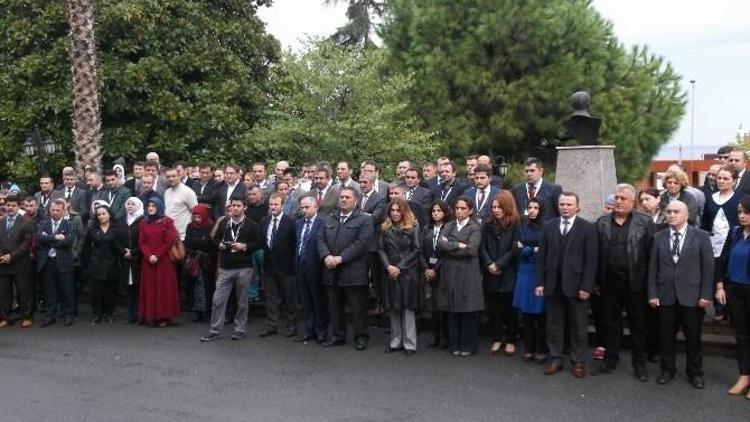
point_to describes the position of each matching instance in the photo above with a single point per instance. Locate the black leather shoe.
(410, 352)
(267, 332)
(392, 349)
(697, 382)
(67, 321)
(48, 321)
(334, 342)
(640, 374)
(360, 344)
(302, 339)
(665, 378)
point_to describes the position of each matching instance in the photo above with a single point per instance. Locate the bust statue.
(581, 126)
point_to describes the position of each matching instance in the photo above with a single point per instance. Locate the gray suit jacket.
(686, 281)
(78, 202)
(423, 196)
(330, 200)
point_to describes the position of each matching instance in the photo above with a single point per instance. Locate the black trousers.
(356, 296)
(616, 296)
(280, 289)
(24, 288)
(59, 290)
(439, 322)
(652, 332)
(598, 313)
(534, 336)
(464, 332)
(564, 311)
(314, 306)
(103, 296)
(376, 277)
(690, 320)
(133, 292)
(738, 304)
(503, 316)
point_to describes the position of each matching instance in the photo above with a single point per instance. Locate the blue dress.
(523, 297)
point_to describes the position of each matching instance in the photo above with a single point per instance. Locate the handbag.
(177, 251)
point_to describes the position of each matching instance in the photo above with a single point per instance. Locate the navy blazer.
(309, 262)
(485, 211)
(45, 240)
(280, 257)
(579, 261)
(456, 190)
(548, 192)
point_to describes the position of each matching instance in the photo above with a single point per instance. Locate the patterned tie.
(9, 225)
(69, 193)
(566, 227)
(481, 200)
(676, 246)
(305, 231)
(273, 231)
(532, 191)
(410, 194)
(320, 197)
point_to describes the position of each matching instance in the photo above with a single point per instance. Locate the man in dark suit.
(16, 266)
(326, 195)
(373, 204)
(371, 167)
(415, 192)
(232, 186)
(736, 160)
(134, 183)
(56, 237)
(483, 193)
(450, 188)
(205, 186)
(420, 213)
(75, 197)
(680, 286)
(309, 267)
(44, 196)
(625, 238)
(536, 187)
(96, 186)
(279, 281)
(566, 274)
(343, 245)
(344, 173)
(430, 177)
(160, 183)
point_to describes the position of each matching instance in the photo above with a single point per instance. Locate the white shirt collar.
(571, 219)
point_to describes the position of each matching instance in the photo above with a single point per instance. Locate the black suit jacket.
(308, 260)
(208, 196)
(579, 258)
(421, 195)
(17, 243)
(449, 195)
(375, 208)
(279, 258)
(548, 192)
(220, 198)
(744, 184)
(350, 241)
(63, 248)
(686, 281)
(78, 202)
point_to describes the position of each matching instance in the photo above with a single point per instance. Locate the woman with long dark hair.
(132, 257)
(531, 306)
(440, 215)
(733, 289)
(102, 249)
(399, 249)
(159, 300)
(497, 258)
(460, 277)
(199, 263)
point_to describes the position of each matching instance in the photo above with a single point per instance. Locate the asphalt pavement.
(119, 372)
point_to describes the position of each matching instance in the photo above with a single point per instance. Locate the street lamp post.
(39, 147)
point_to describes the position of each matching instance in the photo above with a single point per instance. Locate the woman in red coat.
(159, 297)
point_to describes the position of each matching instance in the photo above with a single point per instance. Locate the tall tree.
(334, 103)
(499, 73)
(360, 25)
(86, 124)
(183, 77)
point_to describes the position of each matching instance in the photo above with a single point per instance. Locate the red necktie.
(320, 197)
(532, 191)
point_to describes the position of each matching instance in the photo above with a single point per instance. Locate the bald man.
(680, 287)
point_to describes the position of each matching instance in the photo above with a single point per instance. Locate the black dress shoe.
(48, 321)
(361, 344)
(697, 382)
(410, 352)
(267, 332)
(302, 339)
(393, 349)
(334, 342)
(640, 374)
(665, 378)
(67, 321)
(434, 343)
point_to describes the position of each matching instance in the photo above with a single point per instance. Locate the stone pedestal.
(589, 171)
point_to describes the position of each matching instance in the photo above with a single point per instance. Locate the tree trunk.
(86, 123)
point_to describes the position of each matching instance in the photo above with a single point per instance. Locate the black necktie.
(235, 229)
(69, 193)
(273, 231)
(566, 227)
(676, 245)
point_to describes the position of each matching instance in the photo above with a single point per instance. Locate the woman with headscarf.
(132, 257)
(120, 170)
(199, 263)
(159, 298)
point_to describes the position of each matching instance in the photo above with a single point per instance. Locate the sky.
(705, 41)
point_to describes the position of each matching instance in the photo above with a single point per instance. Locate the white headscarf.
(96, 204)
(122, 172)
(138, 209)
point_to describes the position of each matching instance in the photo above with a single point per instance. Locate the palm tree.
(86, 122)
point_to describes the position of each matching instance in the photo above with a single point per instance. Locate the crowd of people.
(314, 240)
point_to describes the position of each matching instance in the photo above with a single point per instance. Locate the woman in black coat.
(440, 215)
(132, 257)
(399, 250)
(102, 249)
(497, 258)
